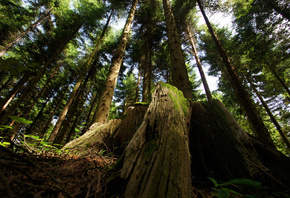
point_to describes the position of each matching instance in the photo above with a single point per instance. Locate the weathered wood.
(221, 149)
(94, 139)
(157, 159)
(128, 128)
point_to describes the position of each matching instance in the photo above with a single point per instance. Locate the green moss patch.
(141, 103)
(180, 101)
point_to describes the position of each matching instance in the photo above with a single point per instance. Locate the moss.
(182, 102)
(141, 103)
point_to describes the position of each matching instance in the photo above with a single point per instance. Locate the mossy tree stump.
(157, 159)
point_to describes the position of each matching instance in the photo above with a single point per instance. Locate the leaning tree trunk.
(63, 114)
(22, 34)
(270, 114)
(255, 120)
(198, 62)
(14, 91)
(103, 108)
(281, 81)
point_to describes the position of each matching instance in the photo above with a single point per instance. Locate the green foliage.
(38, 145)
(5, 127)
(20, 119)
(223, 190)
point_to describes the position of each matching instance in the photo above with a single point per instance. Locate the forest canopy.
(66, 70)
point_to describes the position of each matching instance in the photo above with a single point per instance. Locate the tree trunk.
(198, 63)
(146, 75)
(159, 162)
(221, 149)
(138, 82)
(65, 110)
(14, 91)
(157, 159)
(272, 117)
(22, 34)
(72, 109)
(52, 111)
(260, 129)
(128, 128)
(29, 90)
(7, 83)
(39, 114)
(179, 73)
(103, 108)
(281, 81)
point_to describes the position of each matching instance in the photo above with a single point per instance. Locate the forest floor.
(51, 175)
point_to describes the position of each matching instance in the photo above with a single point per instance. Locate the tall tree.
(179, 73)
(102, 111)
(198, 62)
(254, 118)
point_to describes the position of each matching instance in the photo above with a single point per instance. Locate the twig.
(90, 185)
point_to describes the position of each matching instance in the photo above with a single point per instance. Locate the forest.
(111, 98)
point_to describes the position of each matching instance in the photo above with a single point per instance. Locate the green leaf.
(247, 182)
(5, 127)
(227, 190)
(4, 144)
(33, 137)
(214, 181)
(20, 119)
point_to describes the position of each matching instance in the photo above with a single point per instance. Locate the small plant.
(223, 190)
(37, 144)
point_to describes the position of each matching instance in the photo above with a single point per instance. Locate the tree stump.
(221, 149)
(157, 159)
(94, 139)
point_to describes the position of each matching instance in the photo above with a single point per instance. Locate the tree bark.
(198, 62)
(221, 149)
(255, 120)
(138, 82)
(94, 139)
(145, 74)
(14, 91)
(103, 108)
(72, 108)
(179, 73)
(65, 110)
(157, 159)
